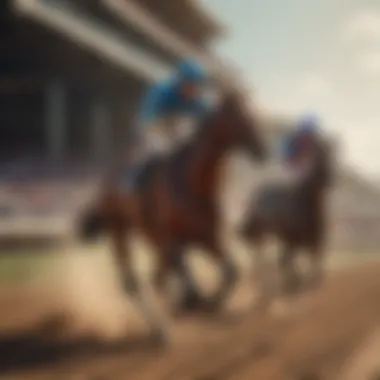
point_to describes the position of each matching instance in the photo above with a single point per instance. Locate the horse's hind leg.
(173, 260)
(291, 279)
(229, 275)
(191, 298)
(132, 286)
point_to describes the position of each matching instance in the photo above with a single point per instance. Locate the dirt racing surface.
(331, 334)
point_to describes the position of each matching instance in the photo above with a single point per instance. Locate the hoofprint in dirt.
(313, 343)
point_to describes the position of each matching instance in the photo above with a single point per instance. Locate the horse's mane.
(203, 127)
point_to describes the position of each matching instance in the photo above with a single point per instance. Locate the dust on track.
(319, 337)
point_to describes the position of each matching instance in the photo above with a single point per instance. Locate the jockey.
(164, 109)
(296, 148)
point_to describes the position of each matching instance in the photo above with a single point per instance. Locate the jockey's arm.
(147, 116)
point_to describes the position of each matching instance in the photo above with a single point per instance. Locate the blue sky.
(318, 55)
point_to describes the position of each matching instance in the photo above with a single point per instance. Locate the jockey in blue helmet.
(297, 148)
(178, 96)
(297, 144)
(164, 106)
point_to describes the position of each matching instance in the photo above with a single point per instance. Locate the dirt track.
(329, 335)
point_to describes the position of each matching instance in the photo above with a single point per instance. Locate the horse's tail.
(91, 225)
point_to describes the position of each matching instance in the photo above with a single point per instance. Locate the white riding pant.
(160, 138)
(164, 135)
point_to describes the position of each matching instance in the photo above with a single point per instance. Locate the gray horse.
(295, 214)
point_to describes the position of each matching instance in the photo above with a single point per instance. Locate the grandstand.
(71, 75)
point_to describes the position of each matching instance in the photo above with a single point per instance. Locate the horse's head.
(239, 128)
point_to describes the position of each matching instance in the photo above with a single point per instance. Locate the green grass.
(23, 267)
(40, 265)
(27, 267)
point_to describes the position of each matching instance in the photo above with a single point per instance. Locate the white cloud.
(369, 63)
(360, 143)
(363, 26)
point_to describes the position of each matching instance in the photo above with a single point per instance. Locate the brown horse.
(175, 202)
(295, 215)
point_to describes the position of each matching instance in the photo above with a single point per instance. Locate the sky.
(320, 56)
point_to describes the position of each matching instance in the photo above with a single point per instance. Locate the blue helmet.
(191, 71)
(308, 124)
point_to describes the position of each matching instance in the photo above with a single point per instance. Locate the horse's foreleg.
(132, 286)
(253, 232)
(173, 260)
(229, 275)
(123, 262)
(317, 267)
(263, 275)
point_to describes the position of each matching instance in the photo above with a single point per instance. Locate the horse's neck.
(206, 167)
(311, 193)
(313, 199)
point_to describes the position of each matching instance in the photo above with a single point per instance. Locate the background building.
(71, 75)
(73, 71)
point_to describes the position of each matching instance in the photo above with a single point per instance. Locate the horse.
(295, 214)
(174, 203)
